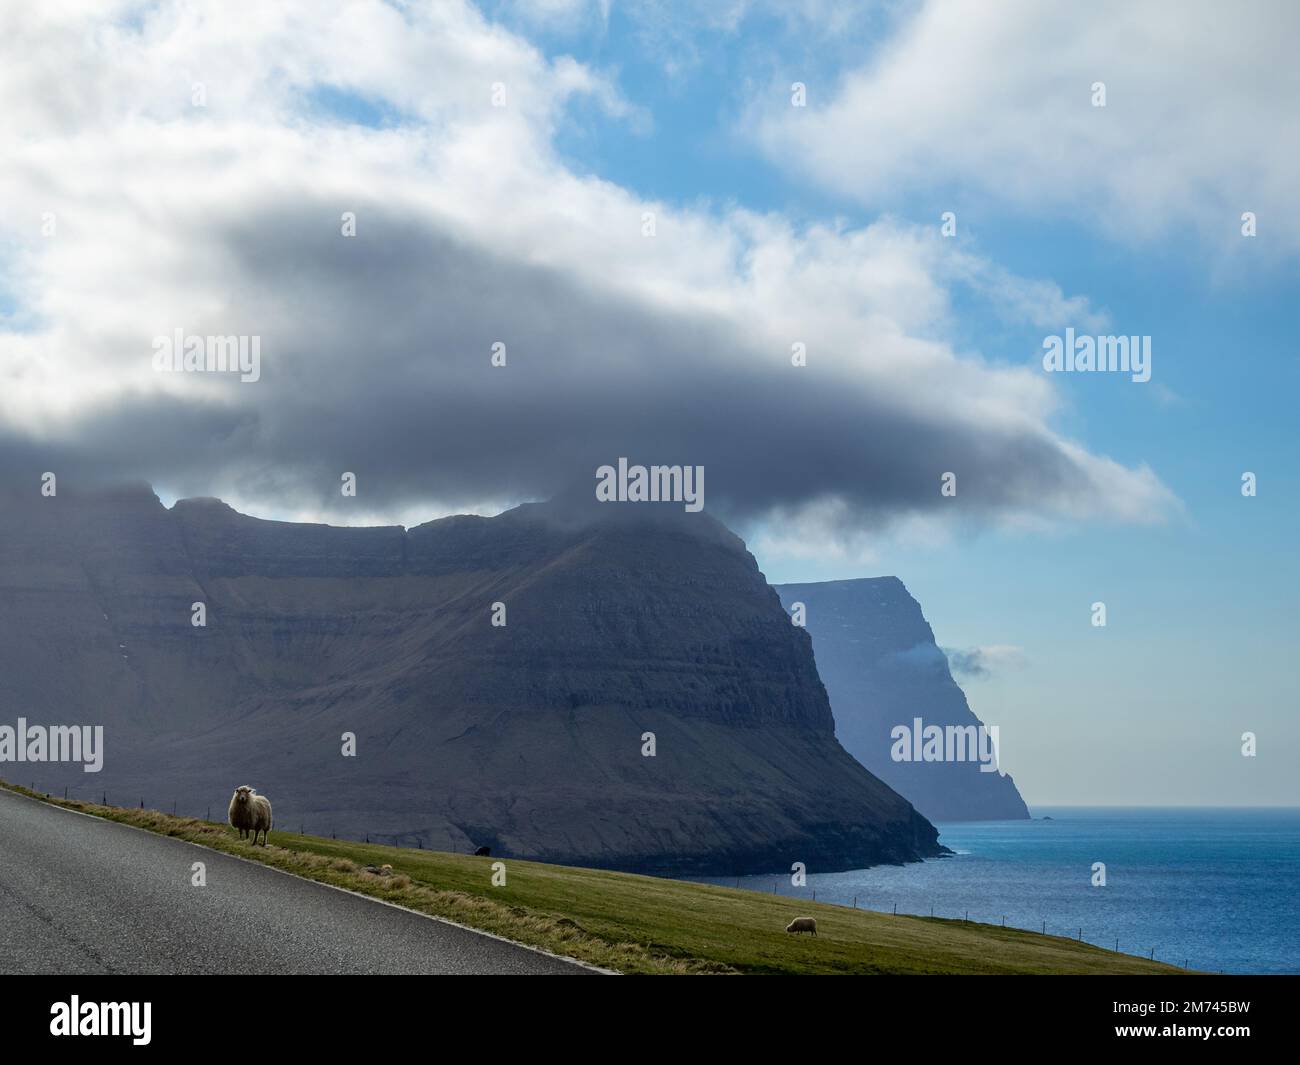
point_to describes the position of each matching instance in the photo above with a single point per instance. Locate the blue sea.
(1215, 889)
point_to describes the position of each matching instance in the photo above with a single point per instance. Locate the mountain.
(877, 657)
(526, 738)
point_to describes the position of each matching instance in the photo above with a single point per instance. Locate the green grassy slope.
(639, 924)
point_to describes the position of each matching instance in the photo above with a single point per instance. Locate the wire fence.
(421, 841)
(1054, 928)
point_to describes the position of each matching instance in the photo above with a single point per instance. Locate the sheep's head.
(243, 794)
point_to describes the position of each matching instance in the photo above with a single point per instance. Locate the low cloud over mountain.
(227, 219)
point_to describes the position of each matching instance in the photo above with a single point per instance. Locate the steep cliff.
(877, 656)
(526, 737)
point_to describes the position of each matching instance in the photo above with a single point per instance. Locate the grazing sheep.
(263, 825)
(483, 852)
(803, 924)
(250, 813)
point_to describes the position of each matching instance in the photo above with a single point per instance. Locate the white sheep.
(250, 812)
(803, 924)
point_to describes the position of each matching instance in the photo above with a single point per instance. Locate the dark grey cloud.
(224, 220)
(375, 360)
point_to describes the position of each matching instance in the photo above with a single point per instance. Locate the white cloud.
(225, 220)
(985, 661)
(994, 101)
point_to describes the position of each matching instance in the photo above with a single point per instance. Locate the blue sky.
(523, 223)
(1203, 608)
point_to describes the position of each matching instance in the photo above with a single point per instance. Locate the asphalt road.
(81, 895)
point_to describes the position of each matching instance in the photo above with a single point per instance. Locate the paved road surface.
(81, 895)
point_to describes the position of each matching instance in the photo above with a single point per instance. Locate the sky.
(650, 205)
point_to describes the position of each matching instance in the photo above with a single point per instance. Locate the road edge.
(321, 883)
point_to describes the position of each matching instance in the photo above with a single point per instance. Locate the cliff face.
(877, 656)
(526, 738)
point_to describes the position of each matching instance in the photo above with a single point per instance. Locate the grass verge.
(642, 924)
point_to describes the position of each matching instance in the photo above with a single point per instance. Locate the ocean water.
(1218, 889)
